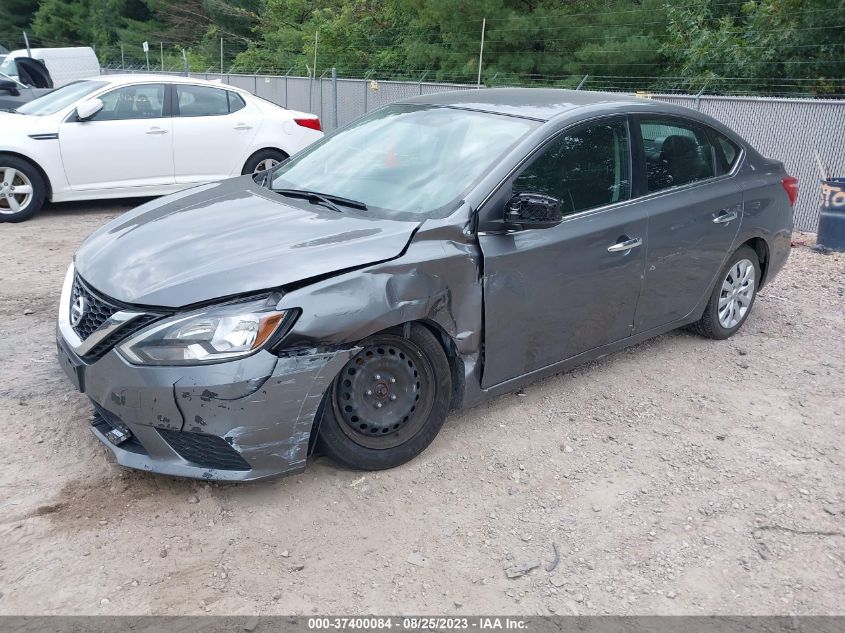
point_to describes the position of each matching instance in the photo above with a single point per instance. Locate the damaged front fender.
(436, 281)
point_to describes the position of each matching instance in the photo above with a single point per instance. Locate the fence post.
(290, 70)
(321, 93)
(582, 82)
(698, 96)
(419, 83)
(366, 90)
(334, 96)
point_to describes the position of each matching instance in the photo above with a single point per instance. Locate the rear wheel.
(22, 189)
(263, 160)
(388, 403)
(732, 298)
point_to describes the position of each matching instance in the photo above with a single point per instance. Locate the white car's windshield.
(405, 160)
(54, 101)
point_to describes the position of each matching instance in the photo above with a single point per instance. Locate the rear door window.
(201, 100)
(676, 153)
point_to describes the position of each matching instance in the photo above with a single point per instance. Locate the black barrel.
(832, 215)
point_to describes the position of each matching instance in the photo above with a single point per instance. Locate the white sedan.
(118, 136)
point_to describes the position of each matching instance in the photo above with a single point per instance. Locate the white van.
(65, 64)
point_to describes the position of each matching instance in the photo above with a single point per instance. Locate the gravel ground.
(682, 476)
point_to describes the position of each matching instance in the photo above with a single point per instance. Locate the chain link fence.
(798, 132)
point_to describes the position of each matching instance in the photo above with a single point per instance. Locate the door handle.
(725, 217)
(156, 130)
(243, 126)
(624, 247)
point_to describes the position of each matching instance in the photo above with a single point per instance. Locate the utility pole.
(481, 52)
(122, 58)
(161, 44)
(334, 96)
(315, 53)
(221, 58)
(26, 41)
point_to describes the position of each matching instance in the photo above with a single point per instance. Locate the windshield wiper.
(325, 199)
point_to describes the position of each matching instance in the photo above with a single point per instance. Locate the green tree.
(15, 16)
(773, 46)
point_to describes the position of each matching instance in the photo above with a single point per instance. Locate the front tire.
(262, 160)
(22, 189)
(733, 297)
(388, 402)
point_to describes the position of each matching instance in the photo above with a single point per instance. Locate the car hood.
(14, 124)
(225, 239)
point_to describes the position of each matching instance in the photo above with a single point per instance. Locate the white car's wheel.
(22, 189)
(263, 160)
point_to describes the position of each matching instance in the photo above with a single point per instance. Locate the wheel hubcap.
(384, 394)
(736, 294)
(264, 165)
(15, 191)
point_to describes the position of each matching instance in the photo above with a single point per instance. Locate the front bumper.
(234, 421)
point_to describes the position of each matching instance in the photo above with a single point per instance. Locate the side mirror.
(87, 109)
(533, 211)
(7, 85)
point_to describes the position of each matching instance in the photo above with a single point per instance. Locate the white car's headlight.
(207, 335)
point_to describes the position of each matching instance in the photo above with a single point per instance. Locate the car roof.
(131, 78)
(72, 50)
(535, 103)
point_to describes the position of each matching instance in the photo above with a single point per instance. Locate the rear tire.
(732, 298)
(388, 403)
(263, 160)
(22, 189)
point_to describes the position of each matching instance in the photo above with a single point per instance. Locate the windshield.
(405, 160)
(54, 101)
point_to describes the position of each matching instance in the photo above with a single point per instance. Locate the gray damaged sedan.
(431, 255)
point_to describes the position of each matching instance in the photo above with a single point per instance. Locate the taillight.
(313, 124)
(790, 184)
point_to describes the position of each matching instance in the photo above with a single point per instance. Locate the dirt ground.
(682, 476)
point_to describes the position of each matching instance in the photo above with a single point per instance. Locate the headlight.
(207, 335)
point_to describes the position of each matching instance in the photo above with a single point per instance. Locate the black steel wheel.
(388, 402)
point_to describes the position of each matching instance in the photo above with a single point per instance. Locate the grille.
(101, 348)
(97, 310)
(207, 451)
(104, 421)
